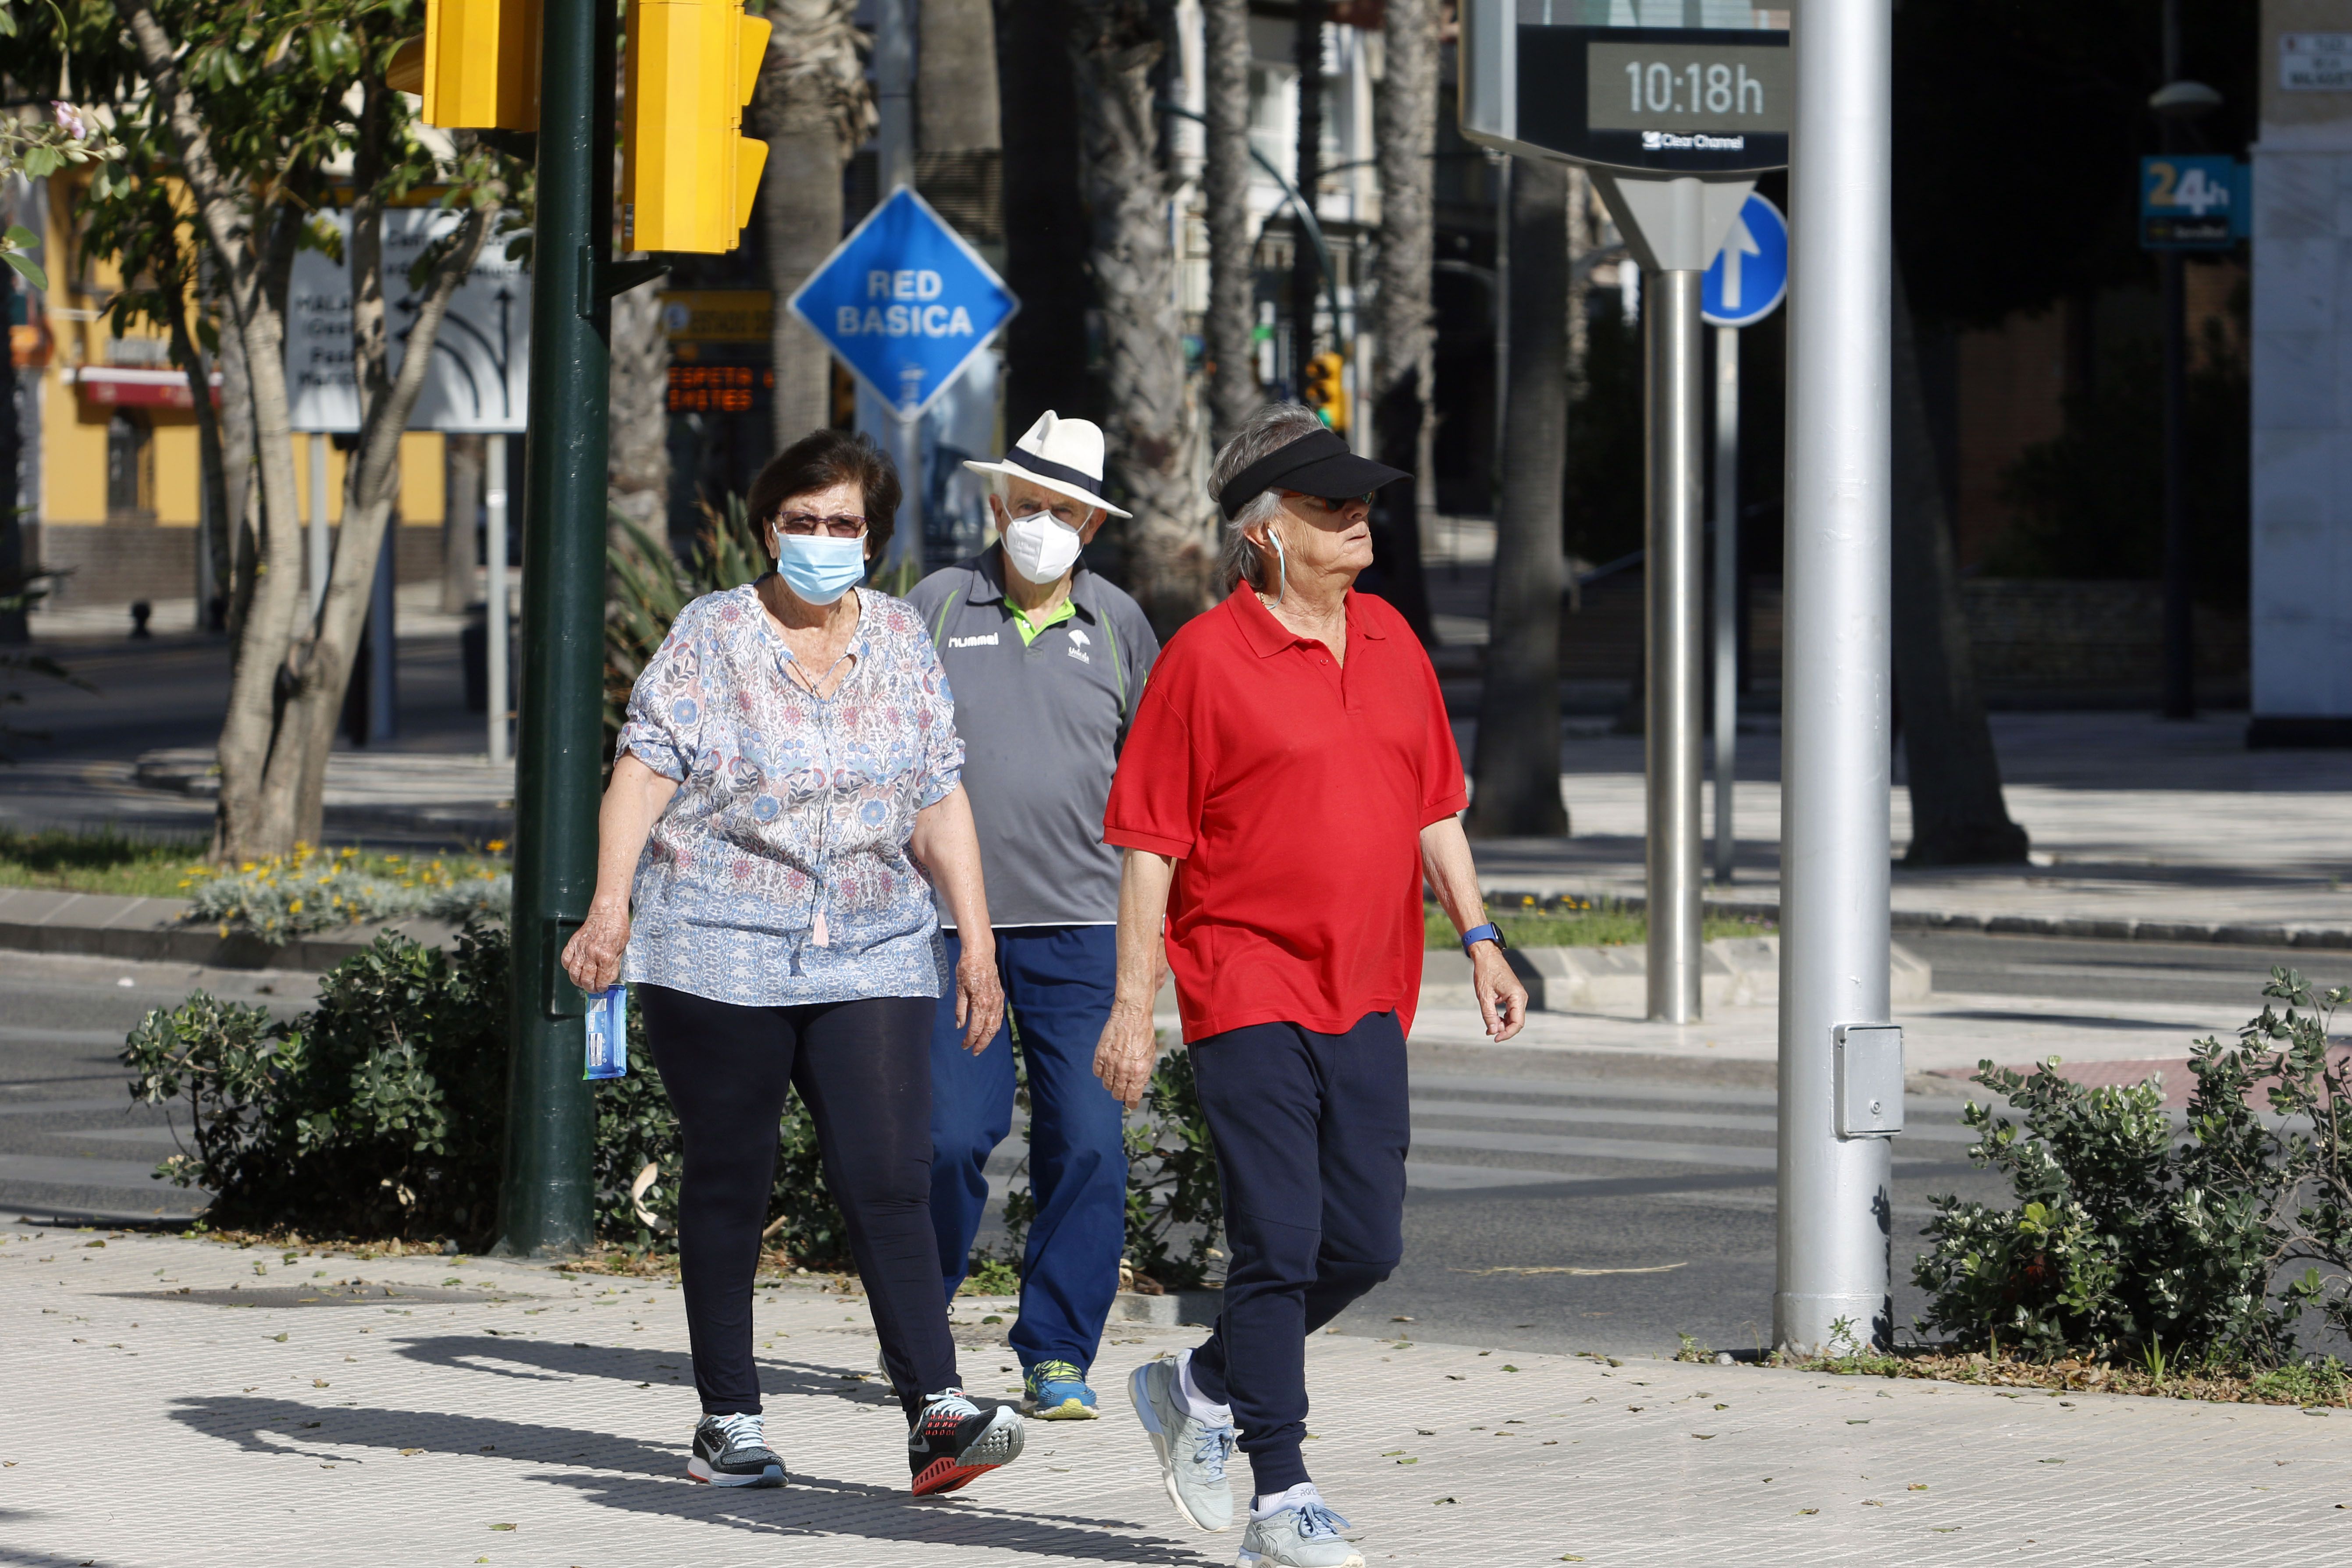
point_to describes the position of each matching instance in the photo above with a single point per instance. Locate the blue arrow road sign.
(1749, 277)
(905, 302)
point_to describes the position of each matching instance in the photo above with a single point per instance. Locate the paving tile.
(371, 1434)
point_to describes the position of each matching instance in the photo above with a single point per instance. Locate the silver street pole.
(494, 553)
(1671, 719)
(1834, 1190)
(1727, 591)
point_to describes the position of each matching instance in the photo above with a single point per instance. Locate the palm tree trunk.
(1234, 390)
(1958, 814)
(1153, 430)
(812, 108)
(1517, 767)
(637, 462)
(1305, 268)
(1404, 136)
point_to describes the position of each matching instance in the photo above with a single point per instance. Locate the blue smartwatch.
(1487, 932)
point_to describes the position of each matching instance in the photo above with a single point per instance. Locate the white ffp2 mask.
(1041, 546)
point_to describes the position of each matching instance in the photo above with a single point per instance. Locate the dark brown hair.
(820, 460)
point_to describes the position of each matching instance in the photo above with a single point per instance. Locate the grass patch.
(105, 861)
(1578, 923)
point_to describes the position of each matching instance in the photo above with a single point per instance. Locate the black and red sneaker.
(954, 1440)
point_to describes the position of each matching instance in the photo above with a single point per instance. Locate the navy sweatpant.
(1058, 983)
(1311, 1132)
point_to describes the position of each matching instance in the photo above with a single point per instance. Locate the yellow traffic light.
(689, 173)
(1326, 392)
(477, 68)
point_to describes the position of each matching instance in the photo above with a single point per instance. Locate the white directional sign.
(480, 379)
(1749, 275)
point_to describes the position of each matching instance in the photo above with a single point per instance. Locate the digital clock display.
(1704, 88)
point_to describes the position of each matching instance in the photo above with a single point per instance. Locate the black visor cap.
(1317, 464)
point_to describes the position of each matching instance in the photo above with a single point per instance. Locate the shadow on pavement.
(542, 1361)
(651, 1480)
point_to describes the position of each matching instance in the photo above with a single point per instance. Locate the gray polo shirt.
(1042, 720)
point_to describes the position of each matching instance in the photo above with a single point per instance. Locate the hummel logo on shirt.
(988, 641)
(1078, 636)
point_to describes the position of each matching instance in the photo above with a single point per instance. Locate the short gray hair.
(1271, 427)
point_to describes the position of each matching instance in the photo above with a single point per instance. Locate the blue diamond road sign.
(905, 302)
(1749, 275)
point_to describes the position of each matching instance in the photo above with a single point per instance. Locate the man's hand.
(1502, 1000)
(1127, 1053)
(980, 996)
(593, 956)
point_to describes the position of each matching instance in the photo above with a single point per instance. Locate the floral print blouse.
(779, 875)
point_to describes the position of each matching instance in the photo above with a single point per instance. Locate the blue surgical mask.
(819, 568)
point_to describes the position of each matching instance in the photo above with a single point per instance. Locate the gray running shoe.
(1192, 1454)
(1301, 1534)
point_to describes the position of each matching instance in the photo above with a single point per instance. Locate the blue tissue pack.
(608, 1034)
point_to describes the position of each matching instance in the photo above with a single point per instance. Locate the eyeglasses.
(805, 524)
(1332, 504)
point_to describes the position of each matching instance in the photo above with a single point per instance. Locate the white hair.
(1269, 429)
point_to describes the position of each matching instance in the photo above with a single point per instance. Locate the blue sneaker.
(1298, 1532)
(1057, 1391)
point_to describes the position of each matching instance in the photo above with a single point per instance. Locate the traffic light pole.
(545, 1200)
(1834, 1195)
(1727, 594)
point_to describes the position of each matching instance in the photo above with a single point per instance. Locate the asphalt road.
(1555, 1203)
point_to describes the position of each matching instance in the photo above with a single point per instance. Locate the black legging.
(864, 1070)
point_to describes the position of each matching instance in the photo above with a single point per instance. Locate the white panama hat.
(1063, 455)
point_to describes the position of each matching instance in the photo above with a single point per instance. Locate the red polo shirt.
(1292, 790)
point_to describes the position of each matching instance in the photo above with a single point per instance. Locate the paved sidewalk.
(2139, 827)
(519, 1417)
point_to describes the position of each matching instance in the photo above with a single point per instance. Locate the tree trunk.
(959, 117)
(812, 108)
(462, 463)
(1045, 235)
(294, 789)
(1153, 430)
(1518, 768)
(1233, 391)
(242, 524)
(637, 461)
(1958, 814)
(1404, 134)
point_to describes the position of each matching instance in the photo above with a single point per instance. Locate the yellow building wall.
(73, 432)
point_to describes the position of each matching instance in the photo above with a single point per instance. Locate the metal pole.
(321, 551)
(494, 558)
(545, 1203)
(2180, 670)
(906, 539)
(1726, 592)
(1833, 1191)
(1671, 724)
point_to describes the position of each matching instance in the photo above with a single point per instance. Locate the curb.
(2080, 926)
(101, 925)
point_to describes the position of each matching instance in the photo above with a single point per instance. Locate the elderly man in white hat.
(1045, 661)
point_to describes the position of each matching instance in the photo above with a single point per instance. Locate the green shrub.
(382, 1113)
(379, 1112)
(2129, 1236)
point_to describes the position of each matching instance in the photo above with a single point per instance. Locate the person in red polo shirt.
(1288, 784)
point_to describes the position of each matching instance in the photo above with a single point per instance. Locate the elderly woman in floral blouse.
(784, 797)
